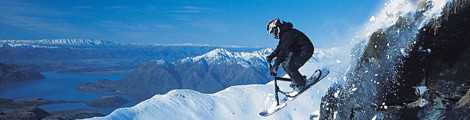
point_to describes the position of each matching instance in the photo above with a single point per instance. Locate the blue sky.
(328, 23)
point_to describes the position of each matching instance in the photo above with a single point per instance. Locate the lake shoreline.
(29, 108)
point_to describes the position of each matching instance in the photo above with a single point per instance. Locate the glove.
(274, 69)
(273, 72)
(269, 59)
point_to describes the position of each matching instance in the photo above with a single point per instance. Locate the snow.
(394, 9)
(403, 52)
(315, 115)
(372, 19)
(422, 102)
(374, 118)
(353, 89)
(338, 61)
(420, 90)
(160, 61)
(237, 102)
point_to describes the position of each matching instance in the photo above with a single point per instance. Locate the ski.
(316, 77)
(274, 108)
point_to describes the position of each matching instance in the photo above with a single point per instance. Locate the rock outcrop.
(431, 80)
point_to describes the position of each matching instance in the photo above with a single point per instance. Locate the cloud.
(191, 9)
(196, 8)
(185, 11)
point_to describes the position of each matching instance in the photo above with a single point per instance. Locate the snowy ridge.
(54, 43)
(238, 102)
(222, 56)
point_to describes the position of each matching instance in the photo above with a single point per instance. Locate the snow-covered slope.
(238, 102)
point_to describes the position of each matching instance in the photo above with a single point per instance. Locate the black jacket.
(291, 40)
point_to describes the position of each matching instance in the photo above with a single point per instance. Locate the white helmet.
(273, 27)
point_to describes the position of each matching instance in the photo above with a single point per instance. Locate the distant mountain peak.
(220, 55)
(215, 54)
(160, 62)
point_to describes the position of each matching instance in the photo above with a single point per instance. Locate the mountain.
(416, 67)
(207, 73)
(238, 101)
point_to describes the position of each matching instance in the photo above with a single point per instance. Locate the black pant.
(292, 64)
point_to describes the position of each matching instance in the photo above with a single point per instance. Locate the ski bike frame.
(276, 88)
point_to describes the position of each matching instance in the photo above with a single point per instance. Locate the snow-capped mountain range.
(109, 57)
(55, 43)
(59, 43)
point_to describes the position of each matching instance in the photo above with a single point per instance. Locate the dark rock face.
(439, 61)
(14, 73)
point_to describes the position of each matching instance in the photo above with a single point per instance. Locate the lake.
(57, 86)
